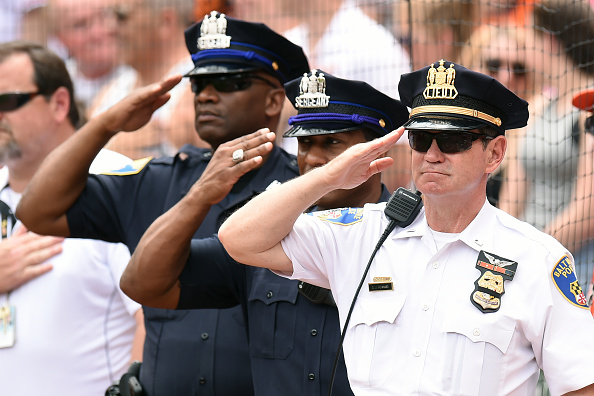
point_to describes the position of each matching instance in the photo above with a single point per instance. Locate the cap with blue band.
(328, 104)
(224, 45)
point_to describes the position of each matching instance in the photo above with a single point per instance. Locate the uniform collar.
(478, 235)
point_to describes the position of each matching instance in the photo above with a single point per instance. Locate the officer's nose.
(434, 154)
(314, 156)
(208, 94)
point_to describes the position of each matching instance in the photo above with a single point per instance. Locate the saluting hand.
(23, 257)
(223, 170)
(136, 109)
(357, 164)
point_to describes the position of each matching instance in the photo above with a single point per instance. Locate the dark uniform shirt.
(293, 341)
(188, 352)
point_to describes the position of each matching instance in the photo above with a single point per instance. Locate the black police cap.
(446, 96)
(326, 104)
(221, 45)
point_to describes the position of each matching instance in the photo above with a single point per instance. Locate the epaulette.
(344, 216)
(131, 169)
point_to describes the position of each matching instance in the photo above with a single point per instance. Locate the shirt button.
(311, 376)
(425, 307)
(204, 336)
(314, 332)
(476, 332)
(417, 353)
(436, 265)
(269, 294)
(202, 381)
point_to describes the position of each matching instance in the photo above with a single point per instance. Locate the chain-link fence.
(542, 50)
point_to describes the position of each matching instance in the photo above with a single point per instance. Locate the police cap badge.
(328, 104)
(448, 97)
(221, 45)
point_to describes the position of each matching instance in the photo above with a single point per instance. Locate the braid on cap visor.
(329, 117)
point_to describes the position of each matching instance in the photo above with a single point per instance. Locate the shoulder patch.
(344, 216)
(566, 282)
(131, 169)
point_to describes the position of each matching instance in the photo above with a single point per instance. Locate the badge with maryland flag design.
(489, 288)
(564, 278)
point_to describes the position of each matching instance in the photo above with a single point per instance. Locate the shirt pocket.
(273, 315)
(369, 331)
(475, 348)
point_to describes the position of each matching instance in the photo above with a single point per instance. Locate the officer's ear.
(274, 102)
(496, 151)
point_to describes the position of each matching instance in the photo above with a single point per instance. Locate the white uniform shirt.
(425, 336)
(74, 326)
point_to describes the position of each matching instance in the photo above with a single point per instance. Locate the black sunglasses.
(448, 142)
(13, 100)
(590, 124)
(227, 83)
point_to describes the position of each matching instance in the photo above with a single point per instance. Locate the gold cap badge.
(440, 82)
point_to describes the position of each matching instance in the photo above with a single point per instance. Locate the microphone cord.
(393, 223)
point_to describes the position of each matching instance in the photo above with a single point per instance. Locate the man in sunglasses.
(237, 80)
(57, 297)
(293, 327)
(465, 299)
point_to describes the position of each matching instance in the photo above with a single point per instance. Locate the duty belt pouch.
(316, 294)
(128, 385)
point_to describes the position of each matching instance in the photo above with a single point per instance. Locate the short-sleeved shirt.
(73, 325)
(186, 351)
(423, 335)
(293, 341)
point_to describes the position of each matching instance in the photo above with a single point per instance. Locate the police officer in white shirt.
(466, 300)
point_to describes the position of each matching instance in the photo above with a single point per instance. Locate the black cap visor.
(220, 68)
(317, 129)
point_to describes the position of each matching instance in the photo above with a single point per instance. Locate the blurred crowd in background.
(543, 50)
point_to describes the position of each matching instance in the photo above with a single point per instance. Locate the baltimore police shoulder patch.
(566, 282)
(344, 216)
(131, 169)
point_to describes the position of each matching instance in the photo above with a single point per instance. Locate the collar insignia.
(312, 91)
(564, 278)
(212, 32)
(440, 82)
(489, 288)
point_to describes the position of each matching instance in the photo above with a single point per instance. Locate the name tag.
(381, 286)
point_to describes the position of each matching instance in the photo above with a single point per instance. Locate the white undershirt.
(443, 238)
